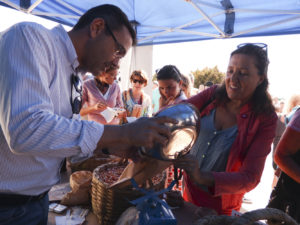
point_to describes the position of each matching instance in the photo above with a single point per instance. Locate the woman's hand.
(122, 114)
(136, 111)
(165, 101)
(190, 165)
(99, 106)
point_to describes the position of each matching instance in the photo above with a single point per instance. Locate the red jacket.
(245, 163)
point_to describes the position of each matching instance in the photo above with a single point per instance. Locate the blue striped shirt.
(37, 130)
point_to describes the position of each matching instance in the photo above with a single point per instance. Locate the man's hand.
(147, 131)
(124, 140)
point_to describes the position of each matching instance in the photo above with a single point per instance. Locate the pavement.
(260, 195)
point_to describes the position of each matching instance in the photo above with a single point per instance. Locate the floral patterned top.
(129, 103)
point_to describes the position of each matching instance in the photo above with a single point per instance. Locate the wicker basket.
(88, 164)
(109, 204)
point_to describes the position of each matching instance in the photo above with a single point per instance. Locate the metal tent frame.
(169, 21)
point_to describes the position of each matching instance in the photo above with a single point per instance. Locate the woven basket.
(109, 204)
(88, 164)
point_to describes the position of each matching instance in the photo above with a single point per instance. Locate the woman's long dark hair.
(261, 99)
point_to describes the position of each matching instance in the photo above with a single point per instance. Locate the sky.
(283, 52)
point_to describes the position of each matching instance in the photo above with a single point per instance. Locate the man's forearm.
(113, 135)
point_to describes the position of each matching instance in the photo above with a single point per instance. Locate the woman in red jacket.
(238, 124)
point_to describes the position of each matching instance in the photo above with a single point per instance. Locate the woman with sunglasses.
(100, 93)
(170, 86)
(238, 122)
(136, 102)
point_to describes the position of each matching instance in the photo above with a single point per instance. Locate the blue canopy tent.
(169, 21)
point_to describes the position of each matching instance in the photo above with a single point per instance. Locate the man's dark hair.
(112, 15)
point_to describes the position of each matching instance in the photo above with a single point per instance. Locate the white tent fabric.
(168, 21)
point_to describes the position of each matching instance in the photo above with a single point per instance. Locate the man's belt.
(15, 199)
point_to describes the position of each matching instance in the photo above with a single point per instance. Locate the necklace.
(138, 100)
(101, 86)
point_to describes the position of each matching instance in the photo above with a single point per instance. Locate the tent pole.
(208, 19)
(266, 26)
(53, 14)
(33, 6)
(179, 29)
(70, 7)
(15, 6)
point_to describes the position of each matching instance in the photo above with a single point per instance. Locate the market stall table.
(184, 215)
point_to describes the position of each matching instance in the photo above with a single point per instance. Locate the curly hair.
(261, 99)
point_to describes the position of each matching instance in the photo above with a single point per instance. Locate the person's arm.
(247, 177)
(288, 146)
(98, 107)
(122, 140)
(148, 106)
(191, 167)
(29, 112)
(119, 101)
(257, 149)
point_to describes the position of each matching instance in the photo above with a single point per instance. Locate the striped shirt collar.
(63, 37)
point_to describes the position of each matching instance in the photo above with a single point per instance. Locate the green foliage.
(154, 77)
(208, 74)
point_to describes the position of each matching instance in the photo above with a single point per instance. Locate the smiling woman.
(136, 102)
(235, 136)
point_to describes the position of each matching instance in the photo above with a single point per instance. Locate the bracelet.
(105, 151)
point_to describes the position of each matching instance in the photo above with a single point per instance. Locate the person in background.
(238, 122)
(186, 85)
(286, 194)
(136, 102)
(201, 88)
(40, 104)
(283, 120)
(100, 93)
(208, 84)
(169, 83)
(292, 106)
(280, 127)
(155, 97)
(194, 90)
(170, 87)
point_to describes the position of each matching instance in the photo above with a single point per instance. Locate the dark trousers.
(32, 212)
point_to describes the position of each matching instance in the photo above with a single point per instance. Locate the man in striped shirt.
(40, 93)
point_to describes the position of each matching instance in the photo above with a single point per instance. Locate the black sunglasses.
(140, 81)
(76, 100)
(261, 45)
(120, 52)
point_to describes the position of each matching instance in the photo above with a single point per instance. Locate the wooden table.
(184, 215)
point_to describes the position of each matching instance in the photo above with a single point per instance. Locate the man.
(41, 92)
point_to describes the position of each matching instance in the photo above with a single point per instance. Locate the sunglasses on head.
(76, 93)
(261, 45)
(120, 50)
(140, 81)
